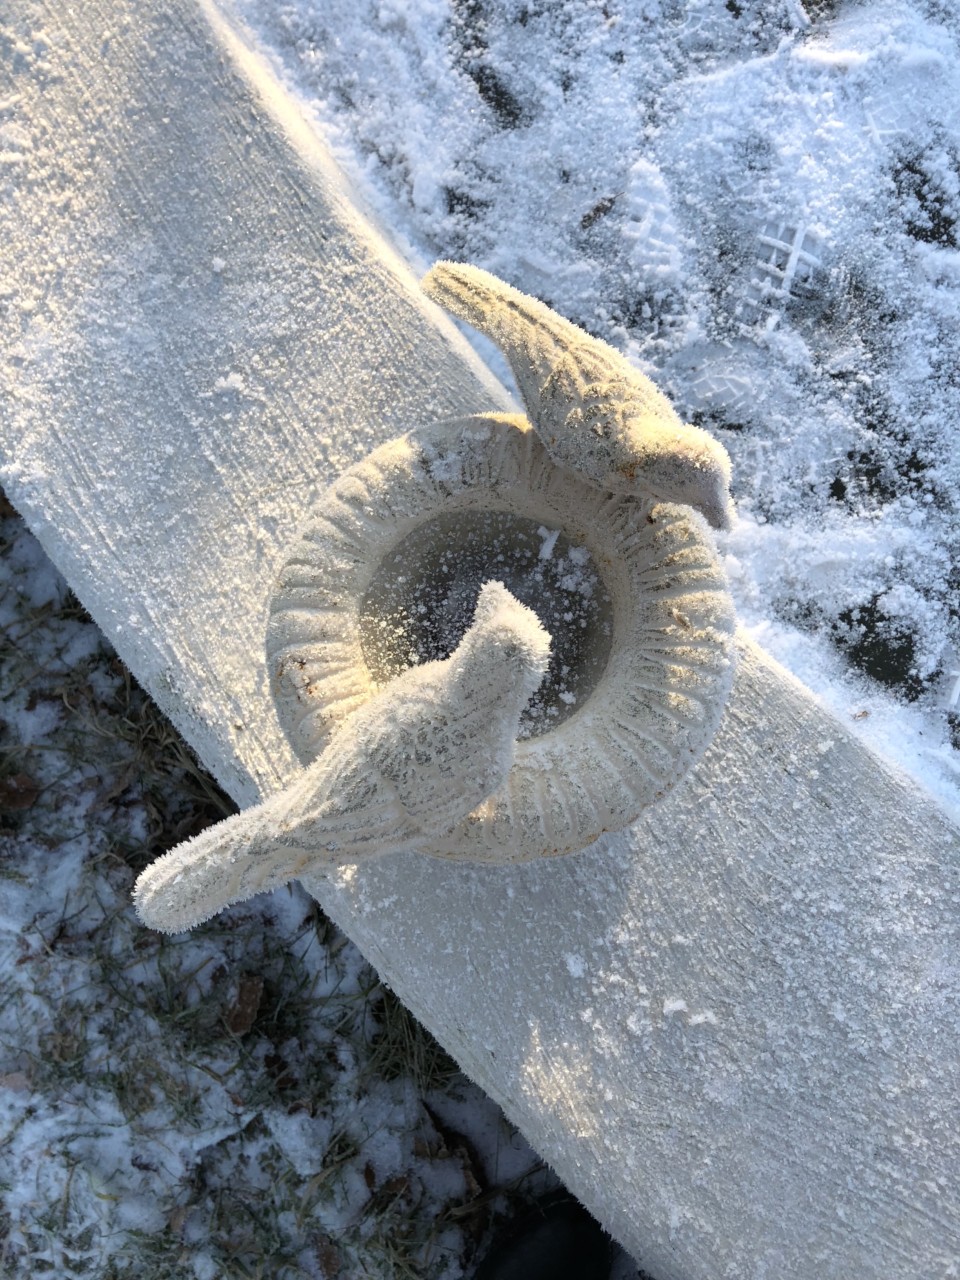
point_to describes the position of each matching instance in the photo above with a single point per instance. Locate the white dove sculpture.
(595, 413)
(408, 766)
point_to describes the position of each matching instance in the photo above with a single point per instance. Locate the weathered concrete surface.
(199, 330)
(733, 1030)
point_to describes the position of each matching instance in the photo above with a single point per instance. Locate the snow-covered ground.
(759, 202)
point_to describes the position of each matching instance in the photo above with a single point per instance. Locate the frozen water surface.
(423, 595)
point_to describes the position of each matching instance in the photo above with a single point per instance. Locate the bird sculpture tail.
(532, 336)
(227, 863)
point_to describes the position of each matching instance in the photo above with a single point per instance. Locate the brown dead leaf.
(17, 791)
(247, 1004)
(16, 1082)
(328, 1255)
(393, 1188)
(117, 787)
(178, 1218)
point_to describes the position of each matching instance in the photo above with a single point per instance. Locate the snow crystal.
(706, 1018)
(550, 537)
(232, 381)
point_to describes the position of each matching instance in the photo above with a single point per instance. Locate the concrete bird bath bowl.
(631, 591)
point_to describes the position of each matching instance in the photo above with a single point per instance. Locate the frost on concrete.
(399, 773)
(181, 309)
(594, 412)
(659, 661)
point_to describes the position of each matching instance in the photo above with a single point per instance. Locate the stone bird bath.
(732, 1028)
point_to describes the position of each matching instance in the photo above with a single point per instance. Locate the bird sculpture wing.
(409, 765)
(595, 413)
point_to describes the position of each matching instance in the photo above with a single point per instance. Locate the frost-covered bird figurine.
(407, 767)
(594, 412)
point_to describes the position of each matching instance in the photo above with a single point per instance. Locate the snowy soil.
(759, 202)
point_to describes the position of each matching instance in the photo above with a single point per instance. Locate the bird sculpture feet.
(407, 767)
(594, 412)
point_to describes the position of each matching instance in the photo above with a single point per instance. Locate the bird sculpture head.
(594, 412)
(506, 637)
